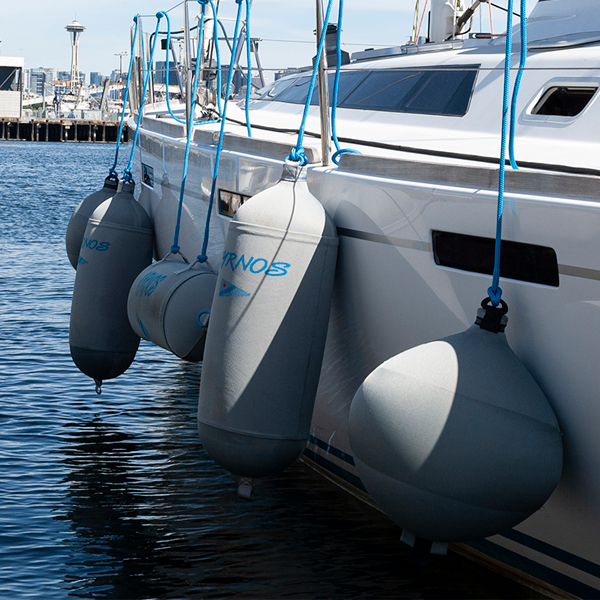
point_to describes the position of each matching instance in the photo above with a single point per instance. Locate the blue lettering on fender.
(254, 265)
(278, 269)
(148, 283)
(95, 245)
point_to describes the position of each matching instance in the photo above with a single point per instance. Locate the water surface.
(112, 496)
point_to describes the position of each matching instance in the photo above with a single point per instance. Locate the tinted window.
(382, 90)
(296, 93)
(272, 90)
(443, 91)
(348, 81)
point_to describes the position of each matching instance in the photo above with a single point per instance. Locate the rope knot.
(174, 249)
(238, 1)
(297, 155)
(495, 295)
(203, 2)
(160, 15)
(202, 258)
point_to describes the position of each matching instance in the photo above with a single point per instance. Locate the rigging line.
(249, 60)
(513, 106)
(336, 84)
(421, 23)
(363, 45)
(297, 152)
(203, 257)
(415, 21)
(112, 170)
(190, 128)
(127, 172)
(167, 71)
(495, 291)
(168, 9)
(504, 9)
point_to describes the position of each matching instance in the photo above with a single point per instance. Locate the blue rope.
(336, 84)
(127, 172)
(190, 125)
(297, 152)
(218, 55)
(112, 170)
(202, 257)
(513, 108)
(494, 292)
(249, 76)
(167, 62)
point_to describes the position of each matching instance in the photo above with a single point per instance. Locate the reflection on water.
(113, 496)
(114, 538)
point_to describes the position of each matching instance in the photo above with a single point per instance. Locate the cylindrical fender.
(116, 246)
(80, 216)
(167, 305)
(267, 330)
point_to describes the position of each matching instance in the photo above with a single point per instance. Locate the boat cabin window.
(564, 101)
(272, 90)
(440, 91)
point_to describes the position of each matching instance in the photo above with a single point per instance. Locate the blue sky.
(37, 32)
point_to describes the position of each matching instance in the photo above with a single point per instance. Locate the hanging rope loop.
(112, 170)
(337, 155)
(299, 150)
(127, 173)
(336, 85)
(203, 257)
(190, 128)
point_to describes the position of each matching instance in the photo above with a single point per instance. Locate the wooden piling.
(60, 130)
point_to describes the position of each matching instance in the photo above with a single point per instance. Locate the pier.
(61, 130)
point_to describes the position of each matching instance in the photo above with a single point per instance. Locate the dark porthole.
(563, 101)
(523, 262)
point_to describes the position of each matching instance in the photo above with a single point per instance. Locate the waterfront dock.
(61, 130)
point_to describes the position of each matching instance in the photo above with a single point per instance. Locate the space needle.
(75, 29)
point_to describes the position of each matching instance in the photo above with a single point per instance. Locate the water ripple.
(113, 496)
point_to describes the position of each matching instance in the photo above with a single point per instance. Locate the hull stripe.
(488, 547)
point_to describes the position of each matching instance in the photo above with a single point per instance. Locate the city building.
(160, 70)
(40, 77)
(96, 78)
